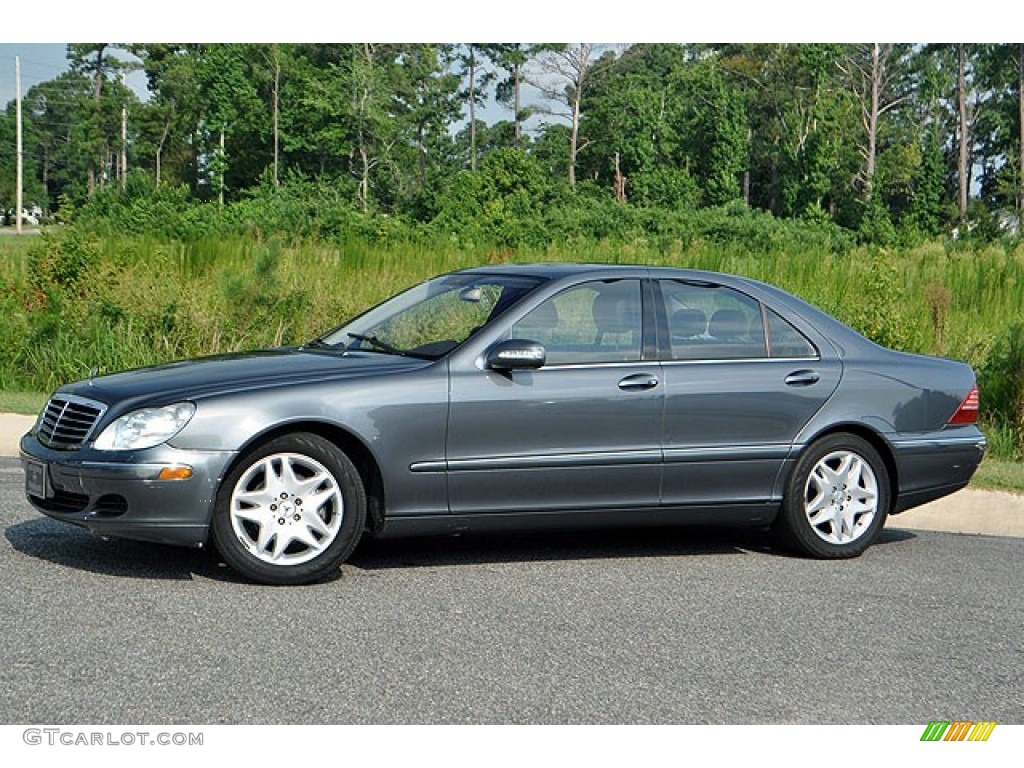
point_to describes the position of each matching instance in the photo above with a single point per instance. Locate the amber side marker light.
(967, 413)
(175, 473)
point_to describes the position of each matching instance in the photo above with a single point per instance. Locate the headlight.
(145, 428)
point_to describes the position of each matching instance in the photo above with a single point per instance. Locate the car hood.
(222, 374)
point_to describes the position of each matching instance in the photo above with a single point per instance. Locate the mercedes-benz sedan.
(511, 397)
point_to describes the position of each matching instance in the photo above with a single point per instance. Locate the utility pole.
(124, 137)
(18, 202)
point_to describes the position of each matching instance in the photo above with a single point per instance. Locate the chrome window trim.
(723, 360)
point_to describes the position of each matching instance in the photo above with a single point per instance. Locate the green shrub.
(880, 310)
(59, 261)
(1001, 379)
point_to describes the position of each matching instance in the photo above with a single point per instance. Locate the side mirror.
(515, 354)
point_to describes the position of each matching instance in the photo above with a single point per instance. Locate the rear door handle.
(803, 378)
(638, 381)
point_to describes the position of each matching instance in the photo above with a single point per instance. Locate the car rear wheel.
(290, 512)
(837, 498)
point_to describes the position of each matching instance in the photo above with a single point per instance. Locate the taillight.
(967, 413)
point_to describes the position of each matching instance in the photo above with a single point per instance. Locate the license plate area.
(37, 480)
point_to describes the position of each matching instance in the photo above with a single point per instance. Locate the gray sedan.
(510, 397)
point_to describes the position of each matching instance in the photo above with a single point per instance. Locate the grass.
(26, 403)
(1000, 475)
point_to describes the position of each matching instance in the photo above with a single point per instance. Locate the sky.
(41, 62)
(522, 21)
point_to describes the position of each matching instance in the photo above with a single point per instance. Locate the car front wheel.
(290, 512)
(837, 498)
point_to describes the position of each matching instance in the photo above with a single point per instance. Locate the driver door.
(583, 432)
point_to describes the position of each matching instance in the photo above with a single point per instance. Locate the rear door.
(740, 383)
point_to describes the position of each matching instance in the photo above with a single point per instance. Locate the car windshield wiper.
(379, 344)
(319, 344)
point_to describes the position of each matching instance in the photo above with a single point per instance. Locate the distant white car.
(30, 216)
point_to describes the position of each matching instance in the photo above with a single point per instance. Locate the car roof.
(556, 270)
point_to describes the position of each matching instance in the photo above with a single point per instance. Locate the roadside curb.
(12, 427)
(972, 510)
(991, 513)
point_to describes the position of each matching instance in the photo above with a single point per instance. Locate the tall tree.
(637, 110)
(316, 124)
(170, 118)
(95, 61)
(234, 116)
(725, 134)
(427, 99)
(879, 77)
(564, 75)
(514, 59)
(57, 115)
(375, 133)
(997, 70)
(471, 67)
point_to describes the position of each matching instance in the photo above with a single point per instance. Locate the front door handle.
(803, 378)
(638, 381)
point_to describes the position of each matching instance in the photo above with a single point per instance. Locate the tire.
(836, 500)
(290, 512)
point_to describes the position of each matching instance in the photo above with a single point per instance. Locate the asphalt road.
(678, 626)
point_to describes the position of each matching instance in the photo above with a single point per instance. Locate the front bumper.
(120, 494)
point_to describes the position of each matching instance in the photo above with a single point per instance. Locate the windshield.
(433, 318)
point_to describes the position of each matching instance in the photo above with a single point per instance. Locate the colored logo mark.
(958, 730)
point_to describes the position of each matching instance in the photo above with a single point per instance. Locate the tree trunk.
(123, 162)
(277, 113)
(518, 105)
(220, 191)
(620, 182)
(421, 157)
(361, 139)
(95, 161)
(963, 169)
(472, 108)
(877, 77)
(577, 97)
(746, 171)
(160, 148)
(364, 180)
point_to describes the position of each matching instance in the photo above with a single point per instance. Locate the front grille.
(68, 420)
